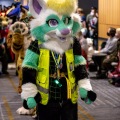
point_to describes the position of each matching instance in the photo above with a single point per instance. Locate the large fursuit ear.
(36, 6)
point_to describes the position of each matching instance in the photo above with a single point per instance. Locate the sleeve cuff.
(85, 83)
(28, 90)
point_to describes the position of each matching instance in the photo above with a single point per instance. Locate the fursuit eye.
(53, 23)
(66, 20)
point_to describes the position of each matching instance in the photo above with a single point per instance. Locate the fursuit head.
(54, 23)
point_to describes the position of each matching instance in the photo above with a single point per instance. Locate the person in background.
(114, 77)
(114, 56)
(82, 16)
(90, 16)
(111, 45)
(3, 57)
(81, 37)
(3, 33)
(92, 26)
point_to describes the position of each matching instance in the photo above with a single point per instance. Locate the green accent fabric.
(40, 31)
(88, 101)
(63, 25)
(52, 16)
(31, 59)
(76, 27)
(83, 94)
(31, 103)
(79, 60)
(61, 22)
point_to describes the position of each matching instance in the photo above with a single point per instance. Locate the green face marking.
(75, 27)
(53, 22)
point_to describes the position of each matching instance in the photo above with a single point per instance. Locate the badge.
(71, 67)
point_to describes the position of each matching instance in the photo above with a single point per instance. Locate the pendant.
(58, 83)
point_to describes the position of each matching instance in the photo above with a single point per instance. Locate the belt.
(62, 74)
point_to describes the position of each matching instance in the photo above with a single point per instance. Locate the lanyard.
(58, 60)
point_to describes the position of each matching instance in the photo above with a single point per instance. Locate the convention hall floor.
(106, 107)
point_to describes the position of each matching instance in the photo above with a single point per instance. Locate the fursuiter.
(3, 20)
(4, 23)
(53, 67)
(24, 17)
(9, 39)
(15, 11)
(19, 42)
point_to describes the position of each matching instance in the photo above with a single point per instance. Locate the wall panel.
(103, 28)
(109, 15)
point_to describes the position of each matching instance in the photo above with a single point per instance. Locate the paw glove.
(87, 96)
(31, 102)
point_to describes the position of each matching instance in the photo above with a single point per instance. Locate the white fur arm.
(85, 83)
(28, 90)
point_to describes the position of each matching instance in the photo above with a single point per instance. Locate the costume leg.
(19, 69)
(51, 111)
(4, 64)
(69, 111)
(107, 64)
(16, 58)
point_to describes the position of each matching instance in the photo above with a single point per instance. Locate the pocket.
(41, 79)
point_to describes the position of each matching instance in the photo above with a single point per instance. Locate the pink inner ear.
(37, 6)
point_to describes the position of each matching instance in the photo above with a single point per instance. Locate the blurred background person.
(114, 57)
(81, 37)
(92, 26)
(82, 17)
(111, 45)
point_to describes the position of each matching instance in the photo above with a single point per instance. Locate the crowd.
(88, 38)
(108, 51)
